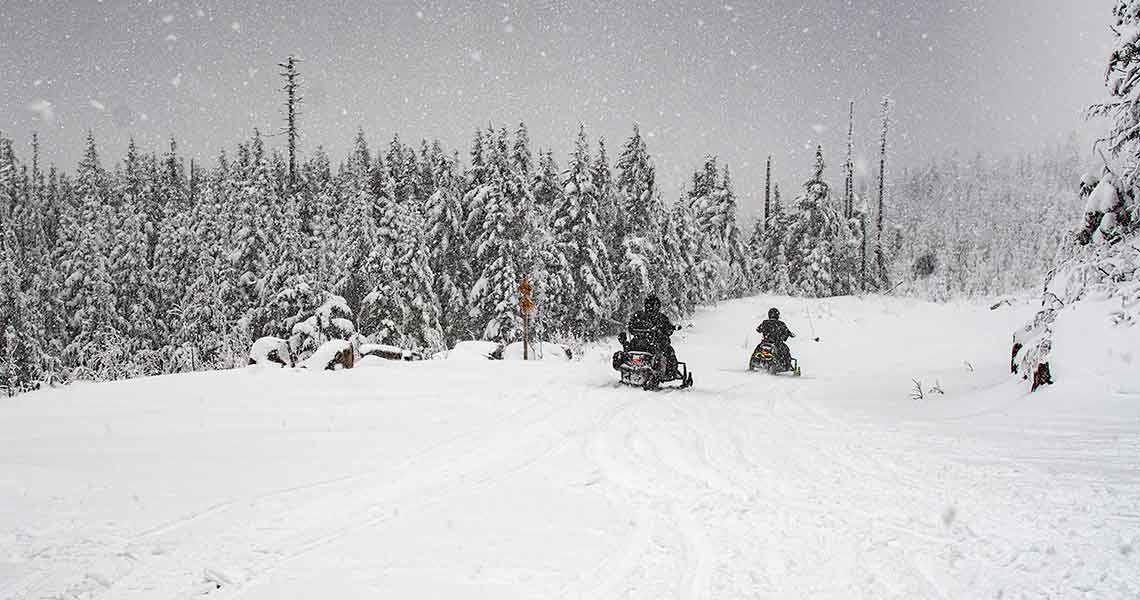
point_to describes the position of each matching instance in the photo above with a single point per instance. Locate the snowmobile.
(642, 363)
(766, 357)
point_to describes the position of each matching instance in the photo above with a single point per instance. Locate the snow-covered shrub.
(271, 350)
(292, 304)
(331, 321)
(925, 265)
(1098, 266)
(332, 355)
(1102, 269)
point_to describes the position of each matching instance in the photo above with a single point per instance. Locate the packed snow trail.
(468, 479)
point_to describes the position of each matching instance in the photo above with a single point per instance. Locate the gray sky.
(739, 79)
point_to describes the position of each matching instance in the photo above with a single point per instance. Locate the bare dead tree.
(849, 184)
(193, 182)
(767, 192)
(863, 245)
(880, 262)
(172, 163)
(35, 155)
(292, 101)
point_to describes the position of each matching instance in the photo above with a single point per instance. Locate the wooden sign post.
(525, 304)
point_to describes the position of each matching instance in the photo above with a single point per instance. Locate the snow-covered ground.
(479, 479)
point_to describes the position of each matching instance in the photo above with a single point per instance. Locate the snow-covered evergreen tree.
(449, 248)
(129, 260)
(578, 232)
(251, 195)
(88, 292)
(818, 241)
(546, 267)
(758, 268)
(401, 306)
(640, 263)
(496, 223)
(691, 272)
(713, 204)
(1099, 260)
(22, 352)
(609, 213)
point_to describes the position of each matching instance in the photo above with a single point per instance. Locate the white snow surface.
(507, 479)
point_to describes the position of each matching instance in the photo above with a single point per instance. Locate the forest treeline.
(154, 264)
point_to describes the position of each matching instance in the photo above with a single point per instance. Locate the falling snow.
(740, 80)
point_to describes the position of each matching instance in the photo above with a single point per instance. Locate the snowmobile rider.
(660, 329)
(774, 330)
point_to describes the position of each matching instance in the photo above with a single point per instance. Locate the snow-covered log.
(389, 352)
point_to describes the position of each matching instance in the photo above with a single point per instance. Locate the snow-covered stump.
(271, 350)
(333, 355)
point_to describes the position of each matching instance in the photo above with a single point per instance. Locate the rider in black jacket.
(660, 328)
(774, 330)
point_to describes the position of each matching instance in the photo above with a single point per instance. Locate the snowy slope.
(473, 479)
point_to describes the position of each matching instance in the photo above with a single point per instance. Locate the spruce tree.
(88, 288)
(137, 319)
(818, 241)
(713, 204)
(546, 269)
(578, 236)
(640, 264)
(449, 248)
(22, 356)
(497, 224)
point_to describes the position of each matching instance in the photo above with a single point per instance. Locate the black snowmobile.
(765, 357)
(643, 363)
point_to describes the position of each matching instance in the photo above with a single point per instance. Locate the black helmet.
(652, 303)
(774, 313)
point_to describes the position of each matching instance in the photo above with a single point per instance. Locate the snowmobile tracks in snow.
(746, 486)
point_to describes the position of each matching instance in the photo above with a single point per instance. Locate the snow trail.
(546, 480)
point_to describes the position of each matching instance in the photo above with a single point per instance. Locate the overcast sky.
(738, 79)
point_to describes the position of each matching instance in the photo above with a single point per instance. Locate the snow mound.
(538, 351)
(271, 351)
(370, 361)
(1080, 366)
(472, 350)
